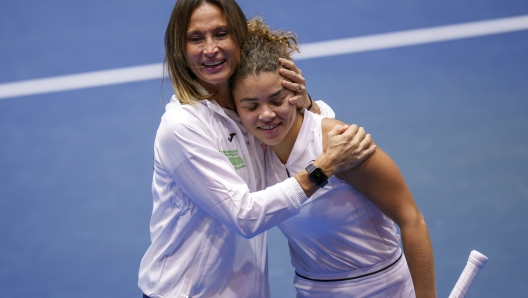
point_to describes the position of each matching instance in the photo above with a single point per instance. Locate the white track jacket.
(206, 206)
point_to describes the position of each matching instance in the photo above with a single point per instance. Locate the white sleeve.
(189, 155)
(326, 110)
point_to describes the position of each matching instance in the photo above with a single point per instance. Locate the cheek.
(248, 119)
(286, 110)
(190, 58)
(189, 52)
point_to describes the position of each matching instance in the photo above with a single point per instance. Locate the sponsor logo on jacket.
(234, 158)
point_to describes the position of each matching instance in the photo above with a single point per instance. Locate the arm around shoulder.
(187, 152)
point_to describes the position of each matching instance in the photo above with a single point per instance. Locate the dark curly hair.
(263, 48)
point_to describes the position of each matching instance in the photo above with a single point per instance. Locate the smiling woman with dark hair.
(209, 207)
(343, 243)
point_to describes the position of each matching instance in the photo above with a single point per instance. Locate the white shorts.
(393, 282)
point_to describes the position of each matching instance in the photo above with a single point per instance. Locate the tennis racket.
(475, 262)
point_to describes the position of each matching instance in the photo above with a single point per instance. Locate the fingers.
(300, 98)
(294, 99)
(295, 87)
(367, 146)
(366, 141)
(292, 74)
(340, 129)
(346, 146)
(350, 132)
(290, 65)
(294, 81)
(368, 152)
(353, 132)
(360, 135)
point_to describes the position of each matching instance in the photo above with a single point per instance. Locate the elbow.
(420, 220)
(247, 232)
(250, 226)
(248, 235)
(415, 222)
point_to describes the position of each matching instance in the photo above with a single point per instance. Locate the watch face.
(317, 176)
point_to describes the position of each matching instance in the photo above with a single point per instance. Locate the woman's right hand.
(344, 147)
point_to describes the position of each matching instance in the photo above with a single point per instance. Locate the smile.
(214, 64)
(269, 128)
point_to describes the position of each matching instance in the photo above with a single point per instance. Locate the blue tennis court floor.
(76, 166)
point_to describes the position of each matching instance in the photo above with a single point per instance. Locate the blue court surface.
(76, 165)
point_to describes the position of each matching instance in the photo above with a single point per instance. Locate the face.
(211, 52)
(262, 104)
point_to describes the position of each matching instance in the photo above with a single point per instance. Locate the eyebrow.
(218, 28)
(271, 96)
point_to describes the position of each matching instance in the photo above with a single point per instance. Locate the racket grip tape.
(475, 262)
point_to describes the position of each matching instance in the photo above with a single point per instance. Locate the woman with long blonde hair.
(210, 208)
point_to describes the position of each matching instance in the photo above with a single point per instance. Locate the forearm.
(420, 259)
(304, 181)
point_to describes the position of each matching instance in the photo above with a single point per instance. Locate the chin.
(269, 142)
(215, 80)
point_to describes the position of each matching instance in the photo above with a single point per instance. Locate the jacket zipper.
(287, 172)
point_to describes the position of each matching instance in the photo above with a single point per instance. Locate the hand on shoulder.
(347, 145)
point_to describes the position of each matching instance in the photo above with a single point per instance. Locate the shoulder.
(328, 123)
(186, 121)
(181, 114)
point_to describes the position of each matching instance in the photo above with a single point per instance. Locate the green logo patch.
(234, 158)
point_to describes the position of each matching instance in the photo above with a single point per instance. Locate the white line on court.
(82, 80)
(308, 51)
(412, 37)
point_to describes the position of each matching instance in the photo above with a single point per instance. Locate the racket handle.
(475, 262)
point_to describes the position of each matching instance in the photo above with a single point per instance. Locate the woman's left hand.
(295, 82)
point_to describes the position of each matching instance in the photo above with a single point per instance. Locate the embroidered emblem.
(230, 138)
(234, 158)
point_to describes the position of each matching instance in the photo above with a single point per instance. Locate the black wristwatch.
(316, 175)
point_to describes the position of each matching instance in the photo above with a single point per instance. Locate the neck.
(285, 147)
(222, 94)
(224, 99)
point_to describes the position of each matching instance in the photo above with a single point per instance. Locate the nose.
(266, 114)
(210, 46)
